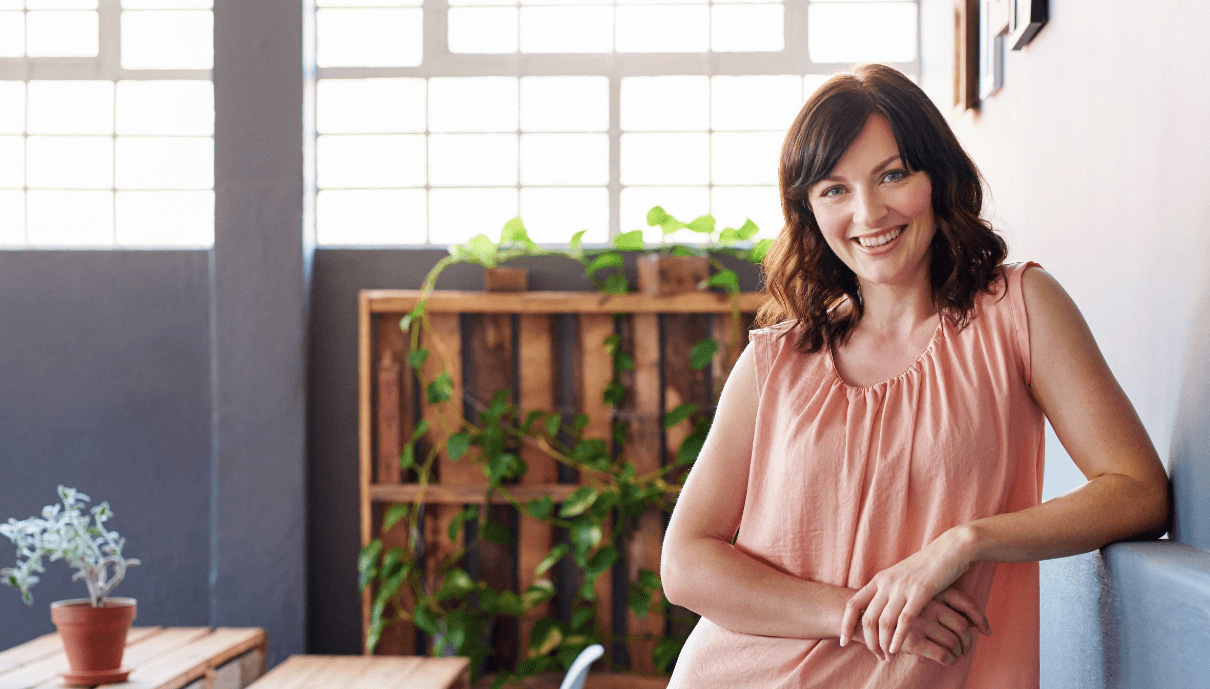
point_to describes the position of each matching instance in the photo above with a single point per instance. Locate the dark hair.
(805, 279)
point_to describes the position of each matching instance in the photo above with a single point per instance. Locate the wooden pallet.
(161, 658)
(517, 341)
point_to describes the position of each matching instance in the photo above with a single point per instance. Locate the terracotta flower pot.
(94, 638)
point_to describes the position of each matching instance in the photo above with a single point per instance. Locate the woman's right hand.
(945, 630)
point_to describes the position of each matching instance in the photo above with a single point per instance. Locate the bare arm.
(1126, 495)
(700, 568)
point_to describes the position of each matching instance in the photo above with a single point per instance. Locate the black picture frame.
(1026, 19)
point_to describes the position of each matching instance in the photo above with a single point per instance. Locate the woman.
(879, 445)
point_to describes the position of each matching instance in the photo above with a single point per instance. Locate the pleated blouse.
(846, 481)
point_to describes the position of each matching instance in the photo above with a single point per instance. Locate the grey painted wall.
(334, 606)
(105, 370)
(1095, 154)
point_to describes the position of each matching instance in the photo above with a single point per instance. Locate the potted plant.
(93, 629)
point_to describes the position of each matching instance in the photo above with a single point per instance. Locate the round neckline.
(864, 388)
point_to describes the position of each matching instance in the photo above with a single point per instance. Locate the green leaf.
(557, 553)
(580, 618)
(514, 232)
(623, 361)
(607, 260)
(615, 284)
(679, 414)
(457, 445)
(759, 250)
(482, 249)
(665, 652)
(621, 433)
(539, 592)
(588, 591)
(579, 422)
(729, 235)
(407, 458)
(441, 389)
(367, 563)
(545, 636)
(585, 535)
(552, 424)
(703, 353)
(749, 230)
(725, 279)
(692, 446)
(416, 313)
(460, 520)
(416, 358)
(394, 514)
(500, 467)
(602, 560)
(650, 579)
(612, 343)
(578, 502)
(703, 224)
(540, 508)
(657, 216)
(576, 241)
(457, 583)
(424, 618)
(421, 429)
(509, 603)
(530, 419)
(497, 533)
(589, 451)
(392, 563)
(640, 601)
(615, 392)
(629, 241)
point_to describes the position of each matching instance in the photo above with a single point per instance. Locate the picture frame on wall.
(993, 27)
(1026, 19)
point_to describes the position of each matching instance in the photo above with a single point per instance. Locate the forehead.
(873, 145)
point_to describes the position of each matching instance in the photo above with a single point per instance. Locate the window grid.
(438, 61)
(106, 67)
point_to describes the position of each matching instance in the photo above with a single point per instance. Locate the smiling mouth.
(885, 238)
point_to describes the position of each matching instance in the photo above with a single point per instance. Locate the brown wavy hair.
(805, 279)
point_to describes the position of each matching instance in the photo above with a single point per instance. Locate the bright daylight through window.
(106, 123)
(438, 122)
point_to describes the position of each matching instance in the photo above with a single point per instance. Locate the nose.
(870, 208)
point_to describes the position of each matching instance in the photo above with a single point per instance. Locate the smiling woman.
(887, 490)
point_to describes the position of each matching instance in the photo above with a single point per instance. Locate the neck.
(897, 309)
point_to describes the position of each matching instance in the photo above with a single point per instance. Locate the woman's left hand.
(896, 595)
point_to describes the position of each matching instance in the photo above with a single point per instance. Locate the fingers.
(911, 610)
(933, 651)
(890, 625)
(853, 612)
(939, 633)
(958, 600)
(870, 621)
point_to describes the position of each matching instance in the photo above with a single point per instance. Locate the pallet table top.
(161, 657)
(367, 672)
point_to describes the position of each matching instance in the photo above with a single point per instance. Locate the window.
(106, 123)
(436, 121)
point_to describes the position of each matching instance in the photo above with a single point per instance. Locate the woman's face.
(875, 215)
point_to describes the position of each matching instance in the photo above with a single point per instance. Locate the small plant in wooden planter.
(93, 629)
(599, 516)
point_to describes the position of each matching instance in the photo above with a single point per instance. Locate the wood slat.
(402, 301)
(468, 494)
(535, 538)
(641, 336)
(353, 672)
(595, 371)
(365, 441)
(180, 665)
(398, 638)
(46, 667)
(392, 426)
(30, 651)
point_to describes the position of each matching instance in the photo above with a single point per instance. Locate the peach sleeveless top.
(847, 481)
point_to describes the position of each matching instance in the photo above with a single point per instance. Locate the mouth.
(879, 241)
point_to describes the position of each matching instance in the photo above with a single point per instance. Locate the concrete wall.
(1096, 153)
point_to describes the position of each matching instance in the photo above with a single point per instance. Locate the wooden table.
(367, 672)
(161, 658)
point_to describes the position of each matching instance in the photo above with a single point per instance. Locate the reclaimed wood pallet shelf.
(548, 348)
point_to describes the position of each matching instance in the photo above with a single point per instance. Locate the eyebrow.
(888, 161)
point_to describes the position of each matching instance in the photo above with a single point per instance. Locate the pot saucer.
(88, 678)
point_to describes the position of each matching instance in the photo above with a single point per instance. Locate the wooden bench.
(160, 657)
(367, 672)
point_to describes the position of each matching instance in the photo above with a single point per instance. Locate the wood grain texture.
(402, 301)
(353, 672)
(596, 680)
(393, 427)
(40, 661)
(365, 439)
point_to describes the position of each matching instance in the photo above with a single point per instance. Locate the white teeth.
(879, 241)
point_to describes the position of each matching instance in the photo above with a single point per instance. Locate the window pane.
(663, 29)
(12, 4)
(473, 104)
(811, 84)
(553, 215)
(369, 38)
(165, 218)
(12, 162)
(370, 3)
(457, 160)
(70, 218)
(395, 216)
(62, 34)
(745, 157)
(565, 159)
(566, 29)
(60, 4)
(665, 159)
(12, 218)
(12, 107)
(370, 161)
(167, 40)
(862, 32)
(483, 30)
(756, 28)
(165, 163)
(683, 203)
(564, 104)
(167, 4)
(12, 34)
(166, 107)
(731, 206)
(69, 162)
(370, 106)
(674, 103)
(456, 215)
(70, 107)
(754, 102)
(481, 3)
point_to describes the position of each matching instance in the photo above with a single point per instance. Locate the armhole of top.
(1016, 301)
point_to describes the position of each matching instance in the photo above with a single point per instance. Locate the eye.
(828, 192)
(894, 175)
